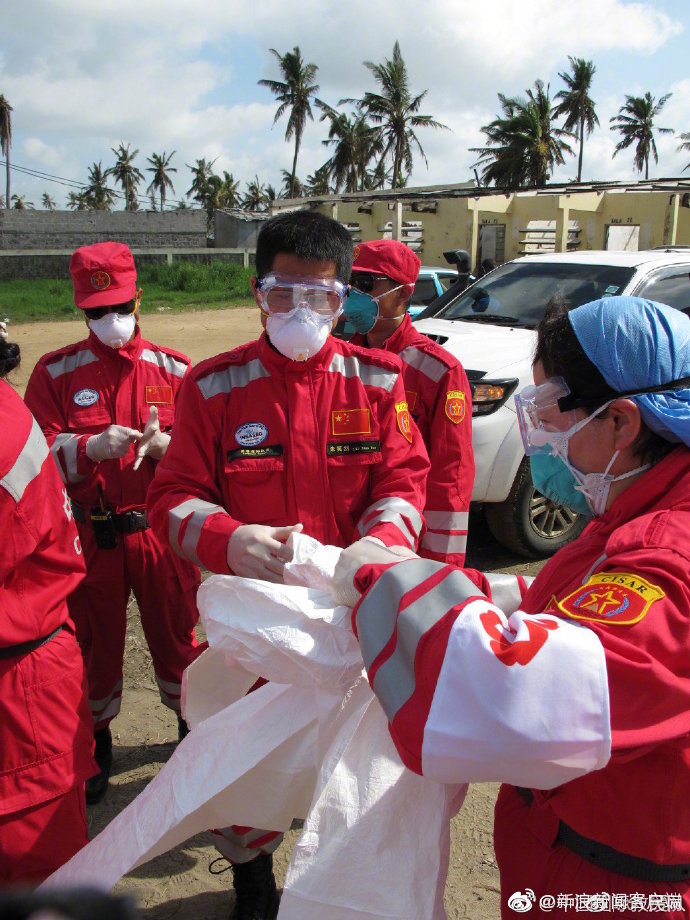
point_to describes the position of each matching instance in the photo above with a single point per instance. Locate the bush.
(197, 277)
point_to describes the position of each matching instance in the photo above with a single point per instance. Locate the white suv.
(491, 326)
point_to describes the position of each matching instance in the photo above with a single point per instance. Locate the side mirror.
(460, 258)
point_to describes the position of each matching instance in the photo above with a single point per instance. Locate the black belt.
(14, 651)
(599, 854)
(125, 521)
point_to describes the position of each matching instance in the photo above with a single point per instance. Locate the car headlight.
(489, 395)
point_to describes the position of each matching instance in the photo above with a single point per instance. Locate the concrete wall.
(38, 263)
(61, 230)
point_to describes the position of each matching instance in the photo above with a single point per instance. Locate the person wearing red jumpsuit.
(106, 406)
(574, 691)
(295, 430)
(45, 725)
(436, 388)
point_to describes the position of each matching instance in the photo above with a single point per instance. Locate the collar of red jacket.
(664, 485)
(272, 359)
(394, 342)
(129, 352)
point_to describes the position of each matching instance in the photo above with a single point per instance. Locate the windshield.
(517, 293)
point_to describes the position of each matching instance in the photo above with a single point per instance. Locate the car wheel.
(529, 523)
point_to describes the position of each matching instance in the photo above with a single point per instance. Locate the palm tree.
(356, 143)
(201, 189)
(255, 198)
(48, 202)
(523, 146)
(295, 93)
(128, 175)
(226, 193)
(635, 122)
(96, 195)
(6, 142)
(290, 188)
(685, 138)
(21, 204)
(396, 111)
(160, 167)
(576, 103)
(75, 201)
(319, 181)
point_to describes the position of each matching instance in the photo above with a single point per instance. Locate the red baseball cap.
(387, 257)
(103, 275)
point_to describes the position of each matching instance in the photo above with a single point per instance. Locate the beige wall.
(659, 214)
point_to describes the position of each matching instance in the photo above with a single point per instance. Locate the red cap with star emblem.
(103, 275)
(387, 257)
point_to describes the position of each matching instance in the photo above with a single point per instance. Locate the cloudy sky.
(168, 75)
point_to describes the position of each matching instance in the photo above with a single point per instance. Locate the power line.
(62, 180)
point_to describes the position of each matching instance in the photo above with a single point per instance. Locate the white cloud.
(171, 76)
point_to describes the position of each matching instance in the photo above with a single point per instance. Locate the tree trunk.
(294, 165)
(582, 144)
(7, 177)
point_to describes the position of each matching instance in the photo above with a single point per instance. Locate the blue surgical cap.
(635, 344)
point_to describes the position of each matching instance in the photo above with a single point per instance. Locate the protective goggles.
(283, 293)
(540, 417)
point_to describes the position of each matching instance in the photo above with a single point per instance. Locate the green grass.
(176, 288)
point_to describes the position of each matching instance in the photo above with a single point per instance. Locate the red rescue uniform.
(45, 726)
(261, 439)
(440, 401)
(621, 593)
(77, 392)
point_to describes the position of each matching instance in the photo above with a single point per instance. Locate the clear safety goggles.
(283, 293)
(541, 420)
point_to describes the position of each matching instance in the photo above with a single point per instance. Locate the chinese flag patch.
(614, 598)
(350, 421)
(456, 405)
(404, 421)
(156, 396)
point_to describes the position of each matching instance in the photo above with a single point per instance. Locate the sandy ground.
(178, 884)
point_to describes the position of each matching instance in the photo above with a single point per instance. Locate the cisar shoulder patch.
(614, 598)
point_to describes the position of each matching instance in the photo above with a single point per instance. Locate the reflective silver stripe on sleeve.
(28, 464)
(394, 511)
(370, 375)
(446, 520)
(377, 620)
(429, 366)
(444, 542)
(69, 363)
(237, 375)
(199, 511)
(166, 362)
(66, 444)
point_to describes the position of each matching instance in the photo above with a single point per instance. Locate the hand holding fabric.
(153, 442)
(368, 550)
(259, 551)
(112, 443)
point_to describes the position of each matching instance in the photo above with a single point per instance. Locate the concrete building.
(503, 225)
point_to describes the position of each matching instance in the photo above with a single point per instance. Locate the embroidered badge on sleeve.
(404, 421)
(456, 405)
(615, 598)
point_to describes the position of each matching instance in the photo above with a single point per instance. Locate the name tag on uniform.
(338, 448)
(243, 453)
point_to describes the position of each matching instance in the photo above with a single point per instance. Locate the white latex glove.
(259, 551)
(112, 443)
(153, 442)
(367, 550)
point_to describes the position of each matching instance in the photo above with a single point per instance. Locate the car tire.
(529, 523)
